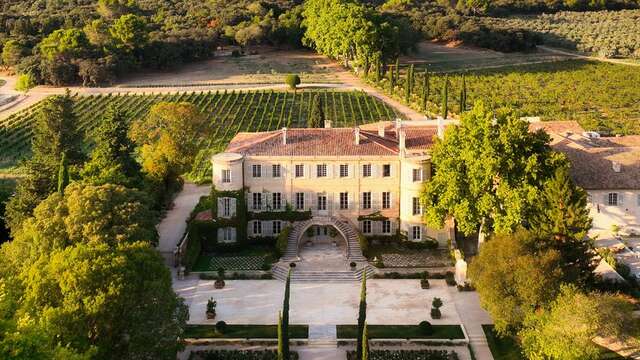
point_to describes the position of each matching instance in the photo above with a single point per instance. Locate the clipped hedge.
(238, 355)
(407, 355)
(282, 241)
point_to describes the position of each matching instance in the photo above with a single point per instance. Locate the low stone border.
(242, 341)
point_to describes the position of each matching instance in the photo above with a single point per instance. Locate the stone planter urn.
(352, 265)
(211, 309)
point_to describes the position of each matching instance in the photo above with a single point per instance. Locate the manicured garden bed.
(238, 355)
(244, 332)
(402, 332)
(406, 355)
(400, 256)
(251, 258)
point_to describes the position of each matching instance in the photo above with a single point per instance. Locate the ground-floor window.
(366, 226)
(227, 235)
(386, 227)
(277, 227)
(322, 202)
(416, 233)
(257, 228)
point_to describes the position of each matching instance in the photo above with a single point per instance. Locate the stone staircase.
(281, 269)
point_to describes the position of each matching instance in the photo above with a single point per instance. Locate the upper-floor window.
(226, 176)
(276, 170)
(299, 170)
(257, 227)
(366, 226)
(256, 170)
(344, 200)
(386, 226)
(417, 208)
(257, 201)
(277, 200)
(226, 207)
(276, 227)
(322, 202)
(417, 175)
(386, 170)
(613, 199)
(321, 170)
(300, 201)
(416, 233)
(344, 170)
(366, 200)
(366, 170)
(386, 200)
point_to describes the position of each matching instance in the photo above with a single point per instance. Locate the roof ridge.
(374, 137)
(273, 134)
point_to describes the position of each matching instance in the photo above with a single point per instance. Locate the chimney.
(357, 135)
(381, 130)
(440, 128)
(327, 124)
(402, 139)
(284, 136)
(617, 167)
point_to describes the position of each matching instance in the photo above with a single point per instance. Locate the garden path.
(467, 305)
(173, 225)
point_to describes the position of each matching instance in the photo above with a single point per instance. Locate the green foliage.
(445, 98)
(129, 31)
(365, 343)
(25, 82)
(566, 329)
(238, 355)
(283, 240)
(316, 117)
(436, 303)
(67, 43)
(513, 278)
(63, 174)
(362, 317)
(490, 172)
(292, 80)
(364, 243)
(280, 338)
(12, 51)
(406, 355)
(286, 354)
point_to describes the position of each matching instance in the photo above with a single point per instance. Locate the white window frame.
(344, 170)
(614, 199)
(344, 201)
(276, 170)
(300, 201)
(416, 232)
(276, 200)
(322, 202)
(386, 200)
(227, 234)
(226, 207)
(257, 227)
(416, 174)
(366, 226)
(386, 166)
(386, 226)
(257, 201)
(321, 170)
(256, 170)
(299, 170)
(276, 227)
(366, 170)
(416, 206)
(366, 200)
(226, 176)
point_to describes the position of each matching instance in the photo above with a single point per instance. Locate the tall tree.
(392, 83)
(285, 317)
(316, 117)
(514, 278)
(63, 174)
(378, 70)
(112, 159)
(397, 70)
(491, 170)
(362, 316)
(425, 89)
(562, 218)
(463, 95)
(365, 342)
(280, 338)
(445, 98)
(411, 78)
(407, 87)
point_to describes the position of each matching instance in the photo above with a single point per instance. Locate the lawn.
(248, 258)
(399, 256)
(509, 349)
(402, 332)
(244, 332)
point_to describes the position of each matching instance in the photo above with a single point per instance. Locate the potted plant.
(352, 265)
(219, 284)
(211, 308)
(292, 265)
(424, 282)
(435, 309)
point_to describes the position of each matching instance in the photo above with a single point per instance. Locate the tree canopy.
(489, 171)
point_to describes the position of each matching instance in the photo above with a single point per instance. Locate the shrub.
(292, 80)
(437, 303)
(425, 327)
(25, 82)
(282, 241)
(449, 279)
(221, 326)
(424, 283)
(292, 265)
(435, 313)
(364, 244)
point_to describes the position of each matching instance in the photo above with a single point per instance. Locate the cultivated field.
(228, 111)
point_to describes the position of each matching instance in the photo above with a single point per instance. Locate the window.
(366, 200)
(344, 200)
(277, 200)
(386, 200)
(417, 209)
(227, 235)
(322, 202)
(276, 170)
(417, 175)
(226, 176)
(416, 233)
(366, 226)
(386, 227)
(344, 170)
(226, 207)
(257, 201)
(366, 170)
(277, 227)
(321, 170)
(299, 201)
(386, 170)
(257, 228)
(613, 199)
(299, 170)
(257, 171)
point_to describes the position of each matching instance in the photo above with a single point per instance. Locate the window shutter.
(605, 199)
(267, 227)
(330, 170)
(233, 205)
(351, 171)
(313, 200)
(220, 207)
(250, 201)
(233, 235)
(620, 199)
(374, 170)
(220, 235)
(376, 200)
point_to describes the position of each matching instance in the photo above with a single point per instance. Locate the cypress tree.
(362, 315)
(411, 78)
(365, 343)
(392, 82)
(280, 338)
(407, 88)
(445, 98)
(285, 318)
(377, 69)
(63, 174)
(316, 117)
(397, 75)
(463, 95)
(425, 89)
